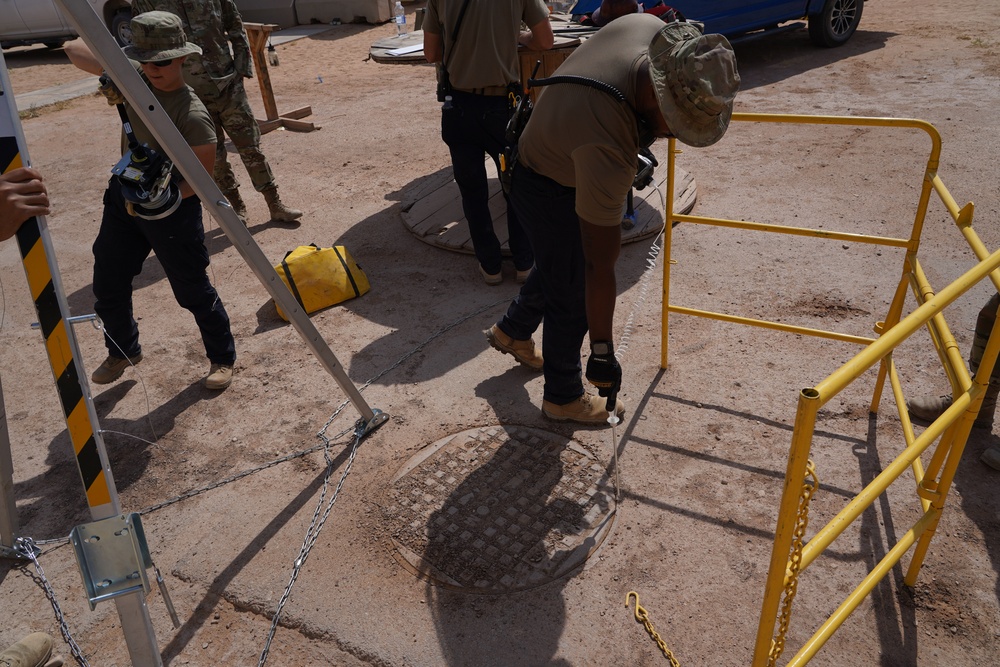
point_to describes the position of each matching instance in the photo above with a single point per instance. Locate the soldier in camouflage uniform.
(217, 78)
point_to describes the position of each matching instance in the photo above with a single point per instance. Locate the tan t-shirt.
(486, 51)
(584, 138)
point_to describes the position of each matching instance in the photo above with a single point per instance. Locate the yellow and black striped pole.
(64, 354)
(52, 310)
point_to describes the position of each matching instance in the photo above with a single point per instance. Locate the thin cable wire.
(99, 325)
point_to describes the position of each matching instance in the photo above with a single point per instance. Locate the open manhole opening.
(499, 509)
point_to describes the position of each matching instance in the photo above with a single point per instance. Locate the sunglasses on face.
(159, 63)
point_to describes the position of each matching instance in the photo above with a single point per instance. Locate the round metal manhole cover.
(499, 509)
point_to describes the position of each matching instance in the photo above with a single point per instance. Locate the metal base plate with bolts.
(113, 557)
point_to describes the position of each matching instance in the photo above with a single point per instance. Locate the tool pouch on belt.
(443, 84)
(321, 277)
(515, 127)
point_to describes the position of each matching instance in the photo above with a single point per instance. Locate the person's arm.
(206, 155)
(432, 47)
(232, 23)
(538, 37)
(22, 196)
(80, 55)
(601, 245)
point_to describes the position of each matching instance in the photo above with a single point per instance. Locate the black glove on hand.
(605, 373)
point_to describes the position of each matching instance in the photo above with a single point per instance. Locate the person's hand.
(605, 373)
(22, 196)
(243, 63)
(110, 90)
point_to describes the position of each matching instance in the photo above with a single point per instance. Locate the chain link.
(642, 616)
(794, 564)
(26, 547)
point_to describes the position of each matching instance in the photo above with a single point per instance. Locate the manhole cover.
(499, 508)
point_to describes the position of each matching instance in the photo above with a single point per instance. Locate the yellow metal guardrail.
(789, 556)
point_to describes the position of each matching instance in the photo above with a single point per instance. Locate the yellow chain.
(643, 617)
(794, 564)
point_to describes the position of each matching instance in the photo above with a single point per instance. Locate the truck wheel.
(835, 24)
(121, 26)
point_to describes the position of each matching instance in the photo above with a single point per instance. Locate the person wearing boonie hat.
(158, 36)
(126, 237)
(576, 164)
(217, 78)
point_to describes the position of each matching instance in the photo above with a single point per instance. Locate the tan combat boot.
(236, 201)
(279, 212)
(35, 650)
(522, 350)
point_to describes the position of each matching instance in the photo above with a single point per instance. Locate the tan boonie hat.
(158, 36)
(695, 79)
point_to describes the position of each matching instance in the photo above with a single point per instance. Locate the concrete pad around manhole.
(499, 509)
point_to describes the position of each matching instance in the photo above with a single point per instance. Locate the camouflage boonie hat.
(158, 36)
(695, 79)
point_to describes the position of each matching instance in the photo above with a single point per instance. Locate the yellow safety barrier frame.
(789, 556)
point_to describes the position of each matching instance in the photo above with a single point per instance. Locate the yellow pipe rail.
(950, 431)
(794, 231)
(768, 324)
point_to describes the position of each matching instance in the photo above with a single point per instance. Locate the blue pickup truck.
(831, 22)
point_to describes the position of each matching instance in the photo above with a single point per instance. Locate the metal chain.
(26, 547)
(312, 534)
(794, 564)
(642, 616)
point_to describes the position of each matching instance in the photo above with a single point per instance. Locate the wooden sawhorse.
(257, 35)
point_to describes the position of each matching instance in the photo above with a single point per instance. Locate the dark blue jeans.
(555, 290)
(123, 244)
(475, 125)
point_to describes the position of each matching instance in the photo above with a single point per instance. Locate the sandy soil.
(705, 442)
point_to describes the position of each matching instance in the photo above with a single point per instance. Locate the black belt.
(490, 91)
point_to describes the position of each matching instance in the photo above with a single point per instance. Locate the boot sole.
(573, 419)
(598, 422)
(496, 345)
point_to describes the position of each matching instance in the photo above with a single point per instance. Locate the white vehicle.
(41, 22)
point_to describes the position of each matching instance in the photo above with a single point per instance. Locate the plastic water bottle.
(400, 18)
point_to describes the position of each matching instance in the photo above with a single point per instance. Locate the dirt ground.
(705, 442)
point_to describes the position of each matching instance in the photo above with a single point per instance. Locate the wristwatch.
(601, 348)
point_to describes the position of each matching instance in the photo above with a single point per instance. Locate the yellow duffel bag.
(321, 277)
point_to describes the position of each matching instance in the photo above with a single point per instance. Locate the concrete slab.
(53, 94)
